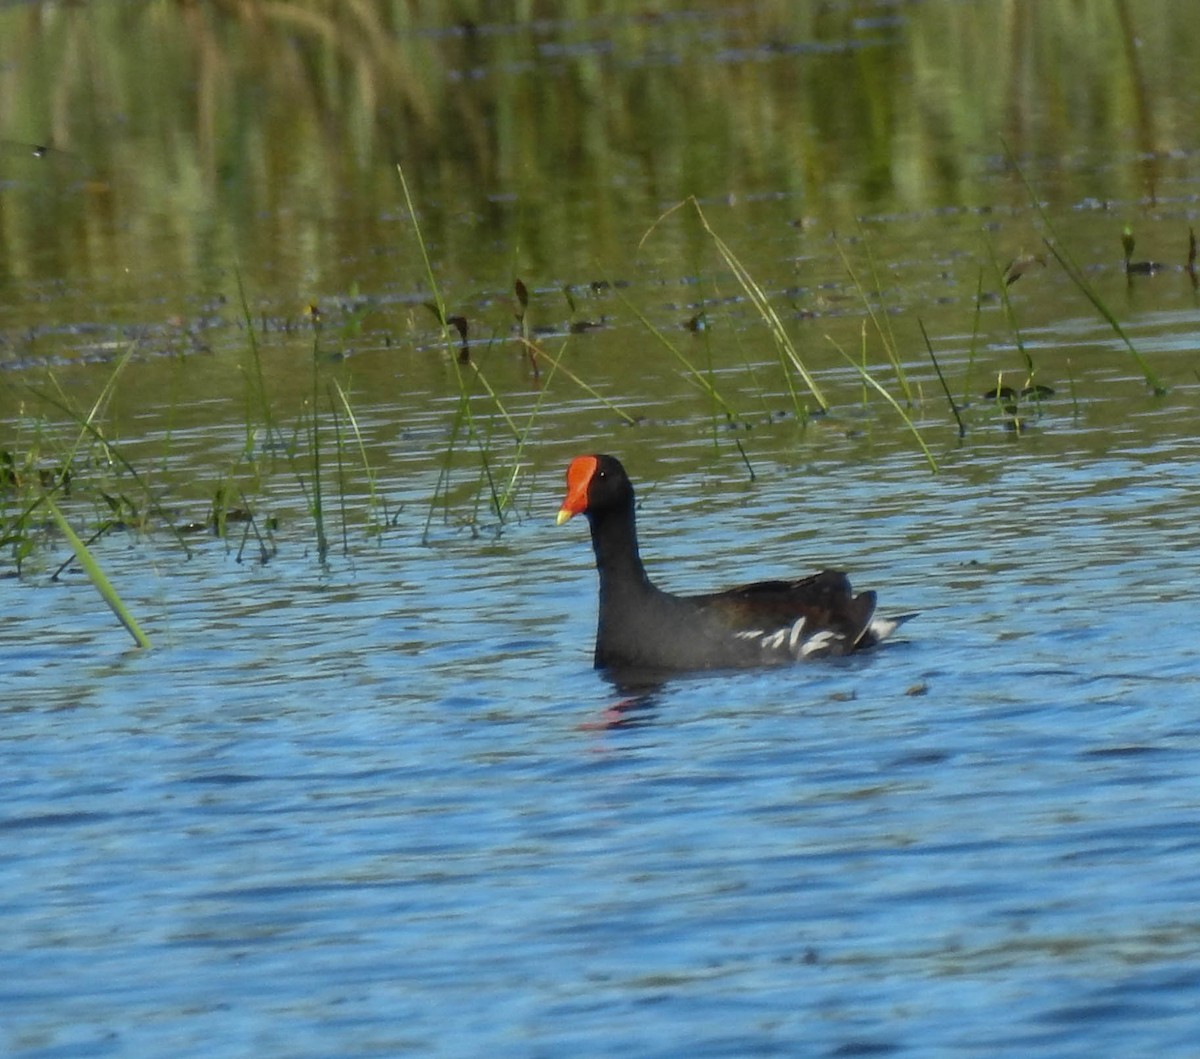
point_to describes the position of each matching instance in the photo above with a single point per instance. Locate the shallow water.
(389, 808)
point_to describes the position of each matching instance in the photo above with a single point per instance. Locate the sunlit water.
(388, 808)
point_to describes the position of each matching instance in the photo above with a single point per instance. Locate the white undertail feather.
(882, 628)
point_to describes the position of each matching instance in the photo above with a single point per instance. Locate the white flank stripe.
(794, 639)
(818, 642)
(775, 640)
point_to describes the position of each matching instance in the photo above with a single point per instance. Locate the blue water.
(386, 807)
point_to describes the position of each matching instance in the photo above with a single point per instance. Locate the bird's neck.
(614, 540)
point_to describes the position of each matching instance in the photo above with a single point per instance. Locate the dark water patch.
(865, 1048)
(44, 821)
(1124, 751)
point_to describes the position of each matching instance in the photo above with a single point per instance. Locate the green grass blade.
(464, 415)
(97, 576)
(88, 428)
(890, 400)
(339, 449)
(318, 495)
(412, 213)
(257, 376)
(1010, 315)
(343, 397)
(701, 380)
(538, 354)
(1063, 256)
(758, 298)
(879, 320)
(760, 301)
(962, 427)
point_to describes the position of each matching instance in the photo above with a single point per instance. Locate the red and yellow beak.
(579, 477)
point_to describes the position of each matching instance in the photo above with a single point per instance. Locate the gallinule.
(644, 628)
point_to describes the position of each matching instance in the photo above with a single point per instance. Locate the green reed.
(103, 451)
(1010, 315)
(973, 348)
(498, 436)
(373, 497)
(317, 502)
(878, 387)
(464, 420)
(962, 427)
(877, 314)
(789, 358)
(96, 575)
(1070, 266)
(256, 393)
(85, 468)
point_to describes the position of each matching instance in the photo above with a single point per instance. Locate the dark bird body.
(641, 627)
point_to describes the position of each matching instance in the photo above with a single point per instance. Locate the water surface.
(377, 802)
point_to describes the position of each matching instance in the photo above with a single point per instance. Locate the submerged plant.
(1136, 268)
(1008, 399)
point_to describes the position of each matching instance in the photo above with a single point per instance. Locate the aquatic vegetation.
(87, 469)
(376, 503)
(96, 575)
(789, 357)
(488, 442)
(1070, 266)
(464, 420)
(869, 380)
(1063, 256)
(954, 409)
(877, 313)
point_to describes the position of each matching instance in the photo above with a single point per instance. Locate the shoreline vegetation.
(272, 129)
(323, 447)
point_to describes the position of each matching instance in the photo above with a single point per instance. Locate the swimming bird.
(643, 628)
